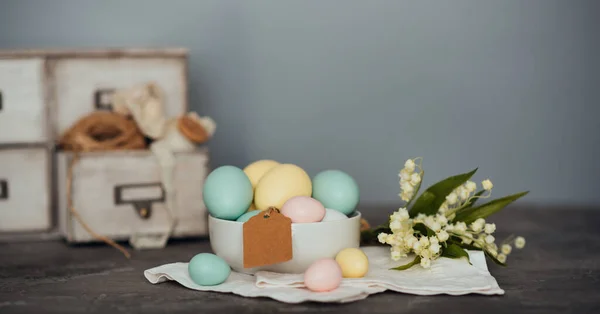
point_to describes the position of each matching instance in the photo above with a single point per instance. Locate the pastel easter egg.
(280, 184)
(332, 215)
(207, 269)
(227, 192)
(303, 209)
(337, 190)
(353, 262)
(245, 217)
(323, 275)
(256, 170)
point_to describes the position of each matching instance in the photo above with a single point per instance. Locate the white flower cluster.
(405, 239)
(480, 235)
(463, 195)
(409, 179)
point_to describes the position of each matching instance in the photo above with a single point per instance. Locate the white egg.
(332, 214)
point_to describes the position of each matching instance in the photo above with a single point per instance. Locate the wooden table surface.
(557, 272)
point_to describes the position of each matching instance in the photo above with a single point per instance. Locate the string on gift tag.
(267, 239)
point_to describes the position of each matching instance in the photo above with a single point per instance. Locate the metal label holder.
(143, 206)
(102, 99)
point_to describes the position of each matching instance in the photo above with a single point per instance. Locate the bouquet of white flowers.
(444, 220)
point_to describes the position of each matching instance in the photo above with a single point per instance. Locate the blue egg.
(245, 217)
(337, 190)
(227, 192)
(207, 269)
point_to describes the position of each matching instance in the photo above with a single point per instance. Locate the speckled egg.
(323, 275)
(256, 170)
(280, 184)
(337, 190)
(353, 262)
(207, 269)
(227, 192)
(245, 217)
(303, 209)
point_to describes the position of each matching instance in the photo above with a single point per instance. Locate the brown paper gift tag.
(267, 239)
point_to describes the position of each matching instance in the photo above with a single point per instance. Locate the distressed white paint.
(95, 177)
(76, 81)
(23, 115)
(27, 206)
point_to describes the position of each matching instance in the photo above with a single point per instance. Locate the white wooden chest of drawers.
(42, 93)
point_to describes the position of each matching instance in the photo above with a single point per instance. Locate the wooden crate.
(119, 194)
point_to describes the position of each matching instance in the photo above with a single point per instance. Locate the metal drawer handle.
(3, 189)
(0, 100)
(102, 99)
(143, 205)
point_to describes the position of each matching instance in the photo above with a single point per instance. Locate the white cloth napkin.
(446, 276)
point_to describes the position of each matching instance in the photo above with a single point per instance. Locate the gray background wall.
(509, 86)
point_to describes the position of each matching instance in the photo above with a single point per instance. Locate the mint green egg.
(337, 190)
(207, 269)
(245, 217)
(227, 192)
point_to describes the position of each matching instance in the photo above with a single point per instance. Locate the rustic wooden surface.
(558, 272)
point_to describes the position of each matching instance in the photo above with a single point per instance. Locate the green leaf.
(494, 259)
(455, 251)
(416, 190)
(422, 228)
(430, 201)
(416, 261)
(482, 211)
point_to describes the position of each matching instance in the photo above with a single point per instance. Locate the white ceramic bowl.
(310, 242)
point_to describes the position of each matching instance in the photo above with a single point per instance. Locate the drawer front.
(119, 194)
(82, 85)
(24, 186)
(23, 112)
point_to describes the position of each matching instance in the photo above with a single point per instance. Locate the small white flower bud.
(424, 241)
(382, 237)
(404, 175)
(476, 226)
(487, 184)
(425, 262)
(395, 255)
(434, 248)
(520, 242)
(415, 178)
(489, 239)
(471, 186)
(443, 236)
(506, 249)
(409, 165)
(490, 228)
(501, 258)
(451, 198)
(395, 225)
(407, 187)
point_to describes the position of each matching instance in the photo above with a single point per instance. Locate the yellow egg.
(354, 263)
(257, 170)
(280, 184)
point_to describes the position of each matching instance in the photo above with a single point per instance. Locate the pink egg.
(303, 209)
(323, 275)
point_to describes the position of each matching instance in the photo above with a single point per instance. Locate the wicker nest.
(102, 131)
